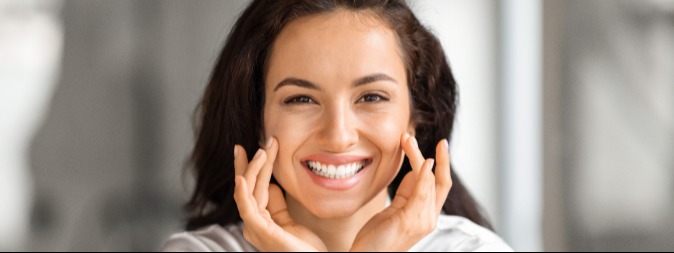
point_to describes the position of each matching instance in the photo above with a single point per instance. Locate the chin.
(335, 209)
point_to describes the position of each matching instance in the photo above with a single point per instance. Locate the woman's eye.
(372, 98)
(299, 100)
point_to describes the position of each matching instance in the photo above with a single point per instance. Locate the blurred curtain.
(31, 38)
(108, 160)
(618, 116)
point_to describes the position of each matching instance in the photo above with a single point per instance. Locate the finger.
(261, 192)
(424, 190)
(244, 201)
(240, 160)
(411, 148)
(254, 167)
(405, 191)
(252, 221)
(443, 180)
(278, 210)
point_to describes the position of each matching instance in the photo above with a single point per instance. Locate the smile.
(336, 171)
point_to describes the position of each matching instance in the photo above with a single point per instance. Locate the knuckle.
(445, 185)
(246, 233)
(406, 226)
(419, 229)
(249, 235)
(410, 231)
(423, 195)
(245, 216)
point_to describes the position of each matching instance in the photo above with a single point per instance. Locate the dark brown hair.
(231, 110)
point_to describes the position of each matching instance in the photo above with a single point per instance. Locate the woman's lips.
(337, 184)
(336, 172)
(334, 159)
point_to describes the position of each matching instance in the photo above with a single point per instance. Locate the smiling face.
(337, 101)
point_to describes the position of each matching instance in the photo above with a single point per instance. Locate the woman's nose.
(338, 130)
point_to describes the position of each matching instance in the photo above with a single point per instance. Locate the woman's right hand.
(266, 222)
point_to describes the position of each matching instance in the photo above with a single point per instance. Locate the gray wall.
(609, 125)
(108, 159)
(618, 124)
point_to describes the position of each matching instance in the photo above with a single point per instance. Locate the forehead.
(341, 43)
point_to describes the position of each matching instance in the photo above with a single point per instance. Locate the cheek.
(283, 129)
(290, 133)
(385, 131)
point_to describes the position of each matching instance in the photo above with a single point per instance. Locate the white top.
(453, 233)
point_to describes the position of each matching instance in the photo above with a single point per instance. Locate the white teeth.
(335, 172)
(332, 171)
(341, 171)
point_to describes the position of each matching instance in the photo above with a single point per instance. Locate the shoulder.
(210, 238)
(456, 233)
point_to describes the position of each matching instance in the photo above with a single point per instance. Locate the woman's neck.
(338, 234)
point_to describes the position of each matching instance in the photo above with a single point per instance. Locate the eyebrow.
(358, 82)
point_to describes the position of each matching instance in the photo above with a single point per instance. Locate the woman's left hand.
(414, 211)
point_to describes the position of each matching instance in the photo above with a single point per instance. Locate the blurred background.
(565, 132)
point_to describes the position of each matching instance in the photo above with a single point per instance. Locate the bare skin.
(337, 93)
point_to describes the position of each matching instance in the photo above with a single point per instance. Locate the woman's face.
(337, 101)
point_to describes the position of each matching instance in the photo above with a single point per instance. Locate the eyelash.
(296, 100)
(379, 98)
(367, 98)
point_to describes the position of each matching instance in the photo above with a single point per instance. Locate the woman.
(341, 102)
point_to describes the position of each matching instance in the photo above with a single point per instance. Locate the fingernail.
(414, 142)
(446, 143)
(430, 166)
(268, 144)
(258, 153)
(236, 151)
